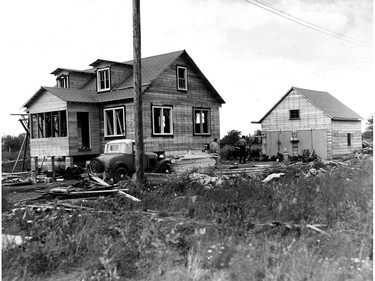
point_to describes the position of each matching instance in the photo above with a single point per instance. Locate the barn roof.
(334, 108)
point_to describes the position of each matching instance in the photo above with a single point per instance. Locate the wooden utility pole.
(137, 83)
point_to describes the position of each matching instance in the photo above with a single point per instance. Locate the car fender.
(161, 163)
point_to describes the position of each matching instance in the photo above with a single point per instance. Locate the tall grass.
(199, 233)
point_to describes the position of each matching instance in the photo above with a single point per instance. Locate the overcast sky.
(251, 56)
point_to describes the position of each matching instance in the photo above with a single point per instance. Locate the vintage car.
(118, 161)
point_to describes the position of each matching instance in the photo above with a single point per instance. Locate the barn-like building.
(313, 120)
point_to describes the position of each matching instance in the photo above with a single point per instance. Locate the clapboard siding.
(47, 102)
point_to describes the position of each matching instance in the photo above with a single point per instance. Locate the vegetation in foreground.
(186, 231)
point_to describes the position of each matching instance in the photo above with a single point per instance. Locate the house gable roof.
(334, 108)
(152, 68)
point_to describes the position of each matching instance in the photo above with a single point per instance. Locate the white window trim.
(106, 69)
(185, 78)
(208, 121)
(162, 133)
(115, 133)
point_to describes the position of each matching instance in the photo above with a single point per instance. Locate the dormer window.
(63, 81)
(182, 78)
(103, 79)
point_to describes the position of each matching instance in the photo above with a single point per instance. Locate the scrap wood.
(273, 176)
(128, 196)
(298, 227)
(99, 180)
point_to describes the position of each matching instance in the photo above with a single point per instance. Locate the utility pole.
(137, 83)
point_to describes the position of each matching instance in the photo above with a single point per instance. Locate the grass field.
(243, 229)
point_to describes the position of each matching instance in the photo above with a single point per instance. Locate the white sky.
(251, 56)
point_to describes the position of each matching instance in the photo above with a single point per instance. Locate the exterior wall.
(313, 128)
(164, 92)
(340, 131)
(77, 81)
(74, 147)
(46, 102)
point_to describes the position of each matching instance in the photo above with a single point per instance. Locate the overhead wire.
(270, 8)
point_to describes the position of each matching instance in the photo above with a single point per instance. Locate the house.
(73, 120)
(313, 120)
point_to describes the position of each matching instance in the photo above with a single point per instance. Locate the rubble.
(273, 176)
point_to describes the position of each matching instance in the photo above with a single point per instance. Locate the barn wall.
(340, 130)
(311, 117)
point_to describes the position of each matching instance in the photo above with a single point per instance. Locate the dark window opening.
(48, 124)
(294, 114)
(83, 130)
(181, 78)
(349, 138)
(162, 120)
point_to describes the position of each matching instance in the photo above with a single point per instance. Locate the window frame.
(114, 122)
(106, 70)
(56, 127)
(292, 113)
(162, 108)
(179, 79)
(63, 81)
(202, 133)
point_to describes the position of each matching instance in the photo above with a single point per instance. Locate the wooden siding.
(77, 80)
(311, 117)
(44, 147)
(340, 131)
(328, 137)
(47, 102)
(95, 143)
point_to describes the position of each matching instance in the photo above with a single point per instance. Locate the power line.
(269, 8)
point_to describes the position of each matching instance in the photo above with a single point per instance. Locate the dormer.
(71, 78)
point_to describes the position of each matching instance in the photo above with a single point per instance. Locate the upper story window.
(201, 121)
(162, 120)
(63, 81)
(114, 122)
(103, 79)
(182, 78)
(294, 114)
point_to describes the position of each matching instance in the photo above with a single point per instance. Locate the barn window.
(349, 139)
(294, 114)
(114, 122)
(162, 120)
(103, 79)
(48, 124)
(201, 121)
(182, 78)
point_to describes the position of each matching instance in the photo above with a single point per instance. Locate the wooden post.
(137, 83)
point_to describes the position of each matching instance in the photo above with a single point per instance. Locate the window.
(349, 139)
(114, 122)
(48, 124)
(162, 120)
(103, 79)
(201, 121)
(294, 114)
(63, 81)
(181, 78)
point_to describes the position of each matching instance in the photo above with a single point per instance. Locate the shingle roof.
(68, 95)
(151, 67)
(334, 108)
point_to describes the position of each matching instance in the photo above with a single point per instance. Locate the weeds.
(197, 233)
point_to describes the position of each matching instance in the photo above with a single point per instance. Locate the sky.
(251, 56)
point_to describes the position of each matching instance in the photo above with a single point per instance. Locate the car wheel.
(165, 168)
(121, 173)
(96, 166)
